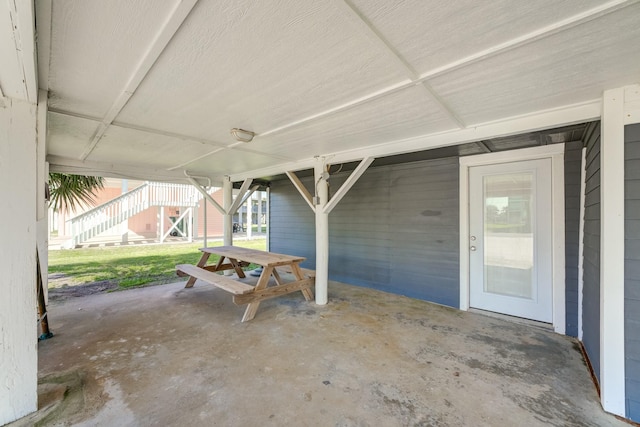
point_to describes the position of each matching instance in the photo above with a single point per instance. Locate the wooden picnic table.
(234, 258)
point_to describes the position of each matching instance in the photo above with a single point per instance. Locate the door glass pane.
(508, 234)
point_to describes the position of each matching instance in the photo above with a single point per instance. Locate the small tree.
(71, 191)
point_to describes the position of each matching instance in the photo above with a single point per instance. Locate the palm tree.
(71, 191)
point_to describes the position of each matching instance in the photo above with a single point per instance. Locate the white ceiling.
(149, 89)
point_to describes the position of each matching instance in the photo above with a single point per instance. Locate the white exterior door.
(510, 239)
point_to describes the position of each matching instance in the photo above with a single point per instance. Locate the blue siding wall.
(359, 231)
(572, 169)
(291, 222)
(425, 250)
(591, 266)
(396, 230)
(632, 270)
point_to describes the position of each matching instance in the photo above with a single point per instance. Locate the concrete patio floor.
(170, 356)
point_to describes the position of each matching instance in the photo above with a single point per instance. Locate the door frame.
(556, 153)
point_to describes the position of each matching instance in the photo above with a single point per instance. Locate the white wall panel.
(18, 333)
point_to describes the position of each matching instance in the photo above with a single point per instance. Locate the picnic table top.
(255, 256)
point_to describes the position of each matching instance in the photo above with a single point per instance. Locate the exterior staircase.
(108, 215)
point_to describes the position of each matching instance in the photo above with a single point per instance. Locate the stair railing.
(101, 218)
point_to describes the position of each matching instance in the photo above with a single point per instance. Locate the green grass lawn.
(130, 266)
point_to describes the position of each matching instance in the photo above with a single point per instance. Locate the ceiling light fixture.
(242, 135)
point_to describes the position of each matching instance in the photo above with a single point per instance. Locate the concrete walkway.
(170, 356)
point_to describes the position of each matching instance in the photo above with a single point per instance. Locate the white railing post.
(161, 213)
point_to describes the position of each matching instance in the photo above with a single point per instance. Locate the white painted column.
(42, 171)
(259, 193)
(267, 219)
(227, 220)
(322, 235)
(249, 217)
(612, 355)
(18, 188)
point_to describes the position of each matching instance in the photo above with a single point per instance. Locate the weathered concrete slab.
(170, 356)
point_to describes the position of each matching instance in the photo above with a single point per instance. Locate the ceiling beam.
(233, 146)
(540, 33)
(370, 31)
(194, 159)
(238, 146)
(444, 106)
(149, 58)
(543, 32)
(43, 39)
(546, 119)
(367, 28)
(115, 170)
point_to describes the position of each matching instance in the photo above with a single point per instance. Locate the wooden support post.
(322, 234)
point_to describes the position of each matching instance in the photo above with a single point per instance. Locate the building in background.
(132, 210)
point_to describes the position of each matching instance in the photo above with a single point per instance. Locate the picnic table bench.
(243, 293)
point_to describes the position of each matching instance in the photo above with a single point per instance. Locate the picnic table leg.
(276, 276)
(201, 263)
(263, 281)
(237, 268)
(308, 294)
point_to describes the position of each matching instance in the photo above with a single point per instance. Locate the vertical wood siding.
(632, 269)
(591, 263)
(572, 169)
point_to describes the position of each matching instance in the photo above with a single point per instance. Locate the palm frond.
(71, 191)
